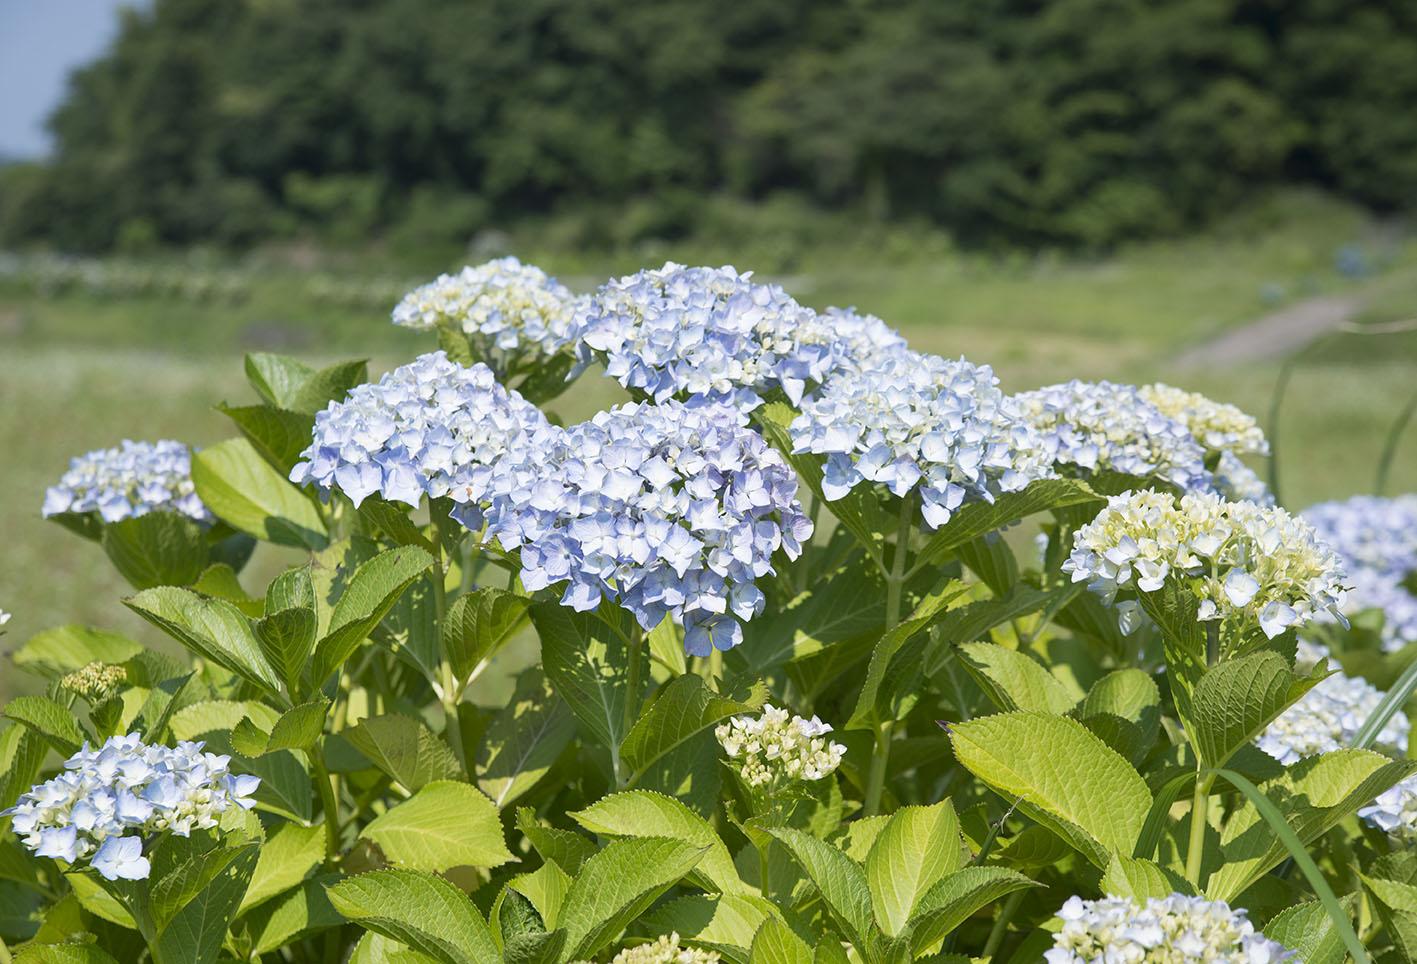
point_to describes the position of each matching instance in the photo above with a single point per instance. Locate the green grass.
(79, 372)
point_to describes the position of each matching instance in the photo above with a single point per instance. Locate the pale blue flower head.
(924, 424)
(668, 509)
(1092, 427)
(866, 341)
(129, 481)
(1370, 532)
(121, 858)
(430, 428)
(713, 333)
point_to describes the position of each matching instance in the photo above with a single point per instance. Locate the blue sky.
(40, 42)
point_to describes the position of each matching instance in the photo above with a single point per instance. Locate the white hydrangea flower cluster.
(1102, 426)
(677, 332)
(1394, 811)
(665, 950)
(431, 427)
(129, 481)
(776, 746)
(865, 340)
(1218, 426)
(1165, 930)
(1246, 561)
(668, 509)
(504, 305)
(106, 800)
(920, 422)
(1377, 540)
(1327, 718)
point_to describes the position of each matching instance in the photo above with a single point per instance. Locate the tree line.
(1073, 122)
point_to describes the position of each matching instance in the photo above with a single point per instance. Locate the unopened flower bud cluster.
(1093, 427)
(95, 682)
(107, 800)
(1244, 561)
(665, 950)
(923, 424)
(128, 481)
(779, 747)
(503, 305)
(1164, 930)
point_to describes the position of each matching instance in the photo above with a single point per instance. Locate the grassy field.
(79, 371)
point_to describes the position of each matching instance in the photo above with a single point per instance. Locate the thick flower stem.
(895, 583)
(1001, 925)
(452, 692)
(634, 655)
(1195, 849)
(324, 785)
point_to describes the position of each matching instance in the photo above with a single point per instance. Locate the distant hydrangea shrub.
(128, 481)
(713, 333)
(668, 509)
(1092, 427)
(1327, 718)
(1164, 930)
(1377, 540)
(777, 747)
(507, 309)
(430, 428)
(920, 423)
(1243, 561)
(1394, 812)
(107, 801)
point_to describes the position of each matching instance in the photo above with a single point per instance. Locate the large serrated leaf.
(977, 519)
(276, 378)
(405, 749)
(288, 855)
(951, 902)
(59, 651)
(1235, 700)
(54, 723)
(839, 879)
(642, 813)
(585, 659)
(478, 624)
(1141, 879)
(278, 434)
(425, 912)
(244, 491)
(725, 920)
(444, 825)
(367, 598)
(1308, 930)
(293, 916)
(617, 885)
(212, 628)
(329, 384)
(913, 852)
(686, 708)
(523, 739)
(297, 729)
(1062, 775)
(872, 705)
(1014, 680)
(156, 549)
(775, 943)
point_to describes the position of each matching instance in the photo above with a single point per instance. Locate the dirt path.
(1275, 335)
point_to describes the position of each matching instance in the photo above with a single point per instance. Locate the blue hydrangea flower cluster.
(1377, 540)
(503, 305)
(866, 341)
(923, 423)
(1104, 426)
(125, 482)
(107, 800)
(431, 427)
(677, 332)
(665, 509)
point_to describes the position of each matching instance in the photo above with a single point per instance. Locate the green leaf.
(617, 885)
(585, 659)
(547, 380)
(156, 549)
(977, 519)
(686, 708)
(371, 592)
(775, 943)
(839, 879)
(55, 723)
(872, 703)
(193, 895)
(288, 855)
(912, 853)
(62, 650)
(425, 912)
(391, 518)
(726, 920)
(297, 729)
(641, 813)
(276, 377)
(211, 628)
(1141, 879)
(405, 749)
(478, 624)
(1311, 796)
(523, 740)
(1174, 610)
(1235, 700)
(446, 824)
(1308, 930)
(243, 490)
(1062, 775)
(546, 889)
(292, 589)
(277, 434)
(286, 638)
(956, 898)
(293, 916)
(567, 849)
(377, 949)
(220, 581)
(330, 384)
(1014, 680)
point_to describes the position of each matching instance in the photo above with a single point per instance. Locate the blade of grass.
(1159, 816)
(1395, 699)
(1301, 857)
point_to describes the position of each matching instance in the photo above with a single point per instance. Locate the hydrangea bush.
(742, 668)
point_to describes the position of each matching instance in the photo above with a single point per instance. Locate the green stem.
(324, 785)
(895, 583)
(764, 871)
(1394, 436)
(1195, 850)
(452, 692)
(634, 647)
(1212, 643)
(1001, 925)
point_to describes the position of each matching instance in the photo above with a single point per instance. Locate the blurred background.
(1217, 193)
